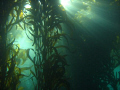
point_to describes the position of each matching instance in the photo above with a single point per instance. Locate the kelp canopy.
(42, 24)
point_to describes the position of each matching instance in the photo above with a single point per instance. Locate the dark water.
(87, 64)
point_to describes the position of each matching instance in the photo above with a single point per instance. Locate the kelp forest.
(42, 26)
(59, 45)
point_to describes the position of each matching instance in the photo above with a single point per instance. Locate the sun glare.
(65, 3)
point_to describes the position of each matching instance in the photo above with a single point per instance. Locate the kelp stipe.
(44, 25)
(10, 74)
(46, 30)
(9, 79)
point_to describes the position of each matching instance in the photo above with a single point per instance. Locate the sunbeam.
(65, 3)
(87, 12)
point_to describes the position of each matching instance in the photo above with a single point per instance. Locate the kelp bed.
(43, 28)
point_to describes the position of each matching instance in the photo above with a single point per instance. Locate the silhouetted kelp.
(105, 74)
(46, 17)
(115, 60)
(10, 74)
(49, 64)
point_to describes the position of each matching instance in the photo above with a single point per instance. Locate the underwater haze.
(60, 45)
(95, 65)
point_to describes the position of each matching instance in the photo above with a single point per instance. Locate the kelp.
(10, 44)
(115, 53)
(22, 55)
(10, 73)
(108, 74)
(49, 64)
(45, 27)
